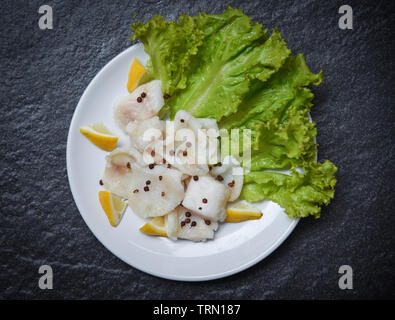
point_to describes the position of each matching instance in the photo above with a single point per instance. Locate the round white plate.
(236, 246)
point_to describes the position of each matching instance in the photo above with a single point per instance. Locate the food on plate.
(210, 75)
(100, 136)
(137, 75)
(183, 223)
(242, 212)
(155, 227)
(143, 103)
(113, 206)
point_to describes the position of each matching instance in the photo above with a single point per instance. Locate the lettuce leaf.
(170, 45)
(278, 145)
(300, 194)
(234, 52)
(269, 100)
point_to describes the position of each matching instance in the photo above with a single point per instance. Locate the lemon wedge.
(156, 227)
(100, 136)
(113, 206)
(137, 75)
(242, 212)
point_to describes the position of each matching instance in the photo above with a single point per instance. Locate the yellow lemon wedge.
(156, 227)
(137, 75)
(242, 212)
(113, 206)
(100, 136)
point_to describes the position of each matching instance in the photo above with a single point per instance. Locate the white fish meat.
(181, 223)
(232, 176)
(207, 197)
(129, 108)
(155, 192)
(144, 132)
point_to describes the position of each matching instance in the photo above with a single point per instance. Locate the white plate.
(235, 247)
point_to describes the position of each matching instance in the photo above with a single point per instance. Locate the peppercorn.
(146, 188)
(101, 182)
(143, 95)
(151, 166)
(193, 224)
(204, 200)
(196, 178)
(139, 99)
(160, 178)
(220, 178)
(188, 214)
(208, 222)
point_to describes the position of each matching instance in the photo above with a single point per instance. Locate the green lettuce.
(269, 100)
(300, 194)
(170, 45)
(234, 52)
(278, 145)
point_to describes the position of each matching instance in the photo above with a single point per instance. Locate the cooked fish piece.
(184, 158)
(181, 223)
(184, 119)
(144, 132)
(207, 197)
(230, 174)
(143, 103)
(155, 192)
(195, 143)
(117, 173)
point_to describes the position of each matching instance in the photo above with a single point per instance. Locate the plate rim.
(224, 274)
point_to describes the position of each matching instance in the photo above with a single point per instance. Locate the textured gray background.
(43, 75)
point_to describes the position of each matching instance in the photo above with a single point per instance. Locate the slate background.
(43, 75)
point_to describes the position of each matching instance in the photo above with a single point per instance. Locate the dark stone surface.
(43, 75)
